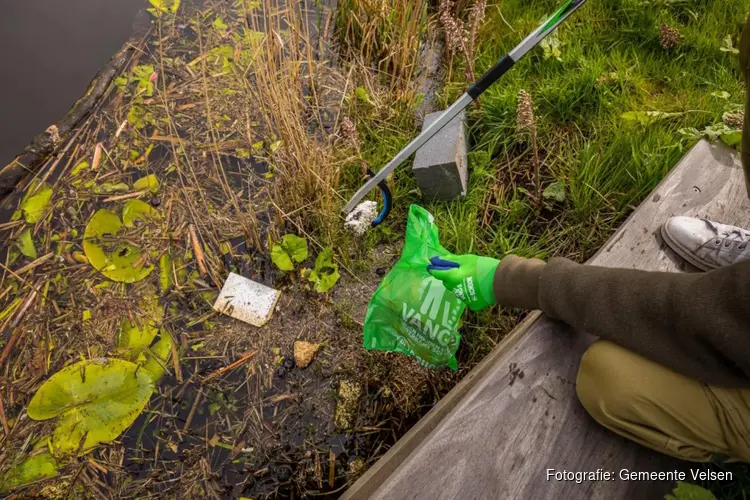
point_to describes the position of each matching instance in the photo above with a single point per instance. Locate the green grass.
(611, 63)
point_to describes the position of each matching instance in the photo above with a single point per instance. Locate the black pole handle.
(490, 76)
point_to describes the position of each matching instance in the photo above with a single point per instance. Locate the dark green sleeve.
(698, 324)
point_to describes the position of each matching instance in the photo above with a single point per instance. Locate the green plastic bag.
(411, 312)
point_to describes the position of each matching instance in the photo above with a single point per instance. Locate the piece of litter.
(360, 219)
(304, 352)
(246, 300)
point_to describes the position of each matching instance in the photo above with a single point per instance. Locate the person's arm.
(695, 323)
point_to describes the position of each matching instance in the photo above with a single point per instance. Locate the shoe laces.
(734, 235)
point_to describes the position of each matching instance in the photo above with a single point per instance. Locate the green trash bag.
(411, 312)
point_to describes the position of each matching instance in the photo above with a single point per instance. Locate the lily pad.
(137, 210)
(34, 206)
(157, 357)
(132, 339)
(166, 280)
(147, 183)
(36, 468)
(26, 244)
(96, 399)
(117, 264)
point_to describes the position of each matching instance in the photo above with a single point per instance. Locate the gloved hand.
(469, 277)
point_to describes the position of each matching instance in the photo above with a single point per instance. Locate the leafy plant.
(555, 191)
(139, 117)
(687, 491)
(220, 25)
(142, 74)
(362, 94)
(646, 117)
(224, 55)
(551, 46)
(135, 340)
(325, 274)
(728, 46)
(291, 249)
(729, 135)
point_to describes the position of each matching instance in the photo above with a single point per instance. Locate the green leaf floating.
(292, 247)
(34, 206)
(166, 280)
(326, 272)
(36, 468)
(96, 401)
(135, 342)
(132, 339)
(26, 244)
(157, 357)
(166, 5)
(116, 264)
(137, 210)
(148, 183)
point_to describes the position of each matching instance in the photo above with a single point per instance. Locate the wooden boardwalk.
(517, 415)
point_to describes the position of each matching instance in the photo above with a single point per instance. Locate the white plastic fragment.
(360, 219)
(246, 300)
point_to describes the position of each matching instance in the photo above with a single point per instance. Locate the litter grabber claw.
(471, 94)
(363, 216)
(385, 191)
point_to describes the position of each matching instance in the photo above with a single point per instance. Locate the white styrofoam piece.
(246, 300)
(360, 219)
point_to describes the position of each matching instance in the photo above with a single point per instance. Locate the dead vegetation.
(221, 135)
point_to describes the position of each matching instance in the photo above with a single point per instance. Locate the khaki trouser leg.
(661, 409)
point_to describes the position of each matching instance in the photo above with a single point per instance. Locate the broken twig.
(198, 251)
(231, 366)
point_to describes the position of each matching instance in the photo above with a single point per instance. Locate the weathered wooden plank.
(708, 182)
(516, 415)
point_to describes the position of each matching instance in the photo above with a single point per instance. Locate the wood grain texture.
(518, 413)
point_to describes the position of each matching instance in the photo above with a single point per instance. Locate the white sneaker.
(705, 244)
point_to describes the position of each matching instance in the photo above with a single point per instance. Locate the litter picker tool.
(473, 92)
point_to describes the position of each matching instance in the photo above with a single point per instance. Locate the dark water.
(49, 51)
